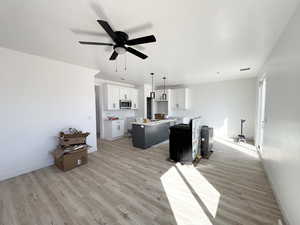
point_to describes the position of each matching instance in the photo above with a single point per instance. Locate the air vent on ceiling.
(245, 69)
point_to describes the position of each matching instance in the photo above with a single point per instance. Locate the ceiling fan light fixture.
(121, 40)
(120, 50)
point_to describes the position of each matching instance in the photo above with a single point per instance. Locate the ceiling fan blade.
(138, 28)
(137, 53)
(89, 32)
(141, 40)
(113, 56)
(94, 43)
(108, 29)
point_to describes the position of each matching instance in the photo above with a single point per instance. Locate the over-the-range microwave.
(125, 104)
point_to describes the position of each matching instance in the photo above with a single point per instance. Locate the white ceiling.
(195, 38)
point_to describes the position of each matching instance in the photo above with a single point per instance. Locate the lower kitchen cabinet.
(113, 129)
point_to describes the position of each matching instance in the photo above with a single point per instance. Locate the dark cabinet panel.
(146, 136)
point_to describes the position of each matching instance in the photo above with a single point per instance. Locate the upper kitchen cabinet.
(113, 94)
(179, 99)
(111, 97)
(125, 93)
(134, 97)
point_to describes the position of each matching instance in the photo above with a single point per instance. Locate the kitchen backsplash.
(122, 114)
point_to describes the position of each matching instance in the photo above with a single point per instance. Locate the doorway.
(98, 111)
(261, 112)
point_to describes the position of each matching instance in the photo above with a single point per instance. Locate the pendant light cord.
(116, 65)
(125, 57)
(152, 81)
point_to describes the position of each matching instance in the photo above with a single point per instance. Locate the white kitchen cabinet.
(125, 93)
(111, 97)
(113, 94)
(113, 129)
(134, 97)
(179, 99)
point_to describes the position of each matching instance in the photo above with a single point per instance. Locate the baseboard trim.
(14, 173)
(284, 220)
(5, 175)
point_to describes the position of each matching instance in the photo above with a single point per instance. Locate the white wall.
(222, 105)
(281, 147)
(38, 98)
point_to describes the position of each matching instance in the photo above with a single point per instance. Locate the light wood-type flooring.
(123, 185)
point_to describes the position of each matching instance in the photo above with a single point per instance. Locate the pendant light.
(164, 95)
(152, 93)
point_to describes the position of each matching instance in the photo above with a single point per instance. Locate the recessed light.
(245, 69)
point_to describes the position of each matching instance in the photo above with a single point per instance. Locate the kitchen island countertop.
(153, 123)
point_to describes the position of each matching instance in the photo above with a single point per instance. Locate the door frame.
(261, 118)
(99, 109)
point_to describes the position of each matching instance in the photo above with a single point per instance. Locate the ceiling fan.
(121, 40)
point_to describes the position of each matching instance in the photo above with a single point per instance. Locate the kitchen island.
(144, 135)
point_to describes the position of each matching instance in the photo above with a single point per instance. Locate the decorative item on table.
(146, 120)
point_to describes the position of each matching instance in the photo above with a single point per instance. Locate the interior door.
(261, 113)
(98, 111)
